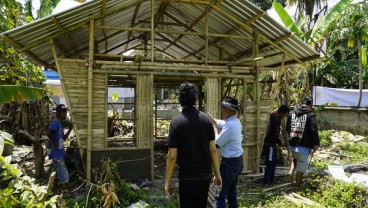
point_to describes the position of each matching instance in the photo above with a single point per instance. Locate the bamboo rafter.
(70, 40)
(195, 22)
(260, 35)
(103, 12)
(97, 17)
(132, 23)
(233, 31)
(16, 45)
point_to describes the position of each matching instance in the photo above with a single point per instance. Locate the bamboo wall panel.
(250, 142)
(144, 111)
(212, 96)
(75, 79)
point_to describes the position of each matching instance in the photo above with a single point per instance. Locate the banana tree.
(314, 36)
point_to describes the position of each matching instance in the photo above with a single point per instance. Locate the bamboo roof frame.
(178, 30)
(198, 39)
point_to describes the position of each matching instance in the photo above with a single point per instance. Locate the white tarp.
(342, 97)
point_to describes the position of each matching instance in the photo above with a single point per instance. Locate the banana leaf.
(287, 20)
(13, 93)
(320, 29)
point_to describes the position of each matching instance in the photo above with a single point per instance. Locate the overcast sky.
(67, 4)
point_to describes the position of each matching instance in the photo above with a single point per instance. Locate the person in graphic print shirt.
(56, 151)
(303, 139)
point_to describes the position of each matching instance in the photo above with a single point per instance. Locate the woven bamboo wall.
(75, 80)
(144, 111)
(212, 97)
(250, 142)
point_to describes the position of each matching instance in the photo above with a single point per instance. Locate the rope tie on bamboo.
(229, 66)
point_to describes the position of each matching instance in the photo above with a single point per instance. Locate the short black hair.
(187, 94)
(283, 109)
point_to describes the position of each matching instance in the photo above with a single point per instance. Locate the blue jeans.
(230, 170)
(270, 161)
(58, 164)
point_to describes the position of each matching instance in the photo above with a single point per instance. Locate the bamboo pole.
(106, 110)
(236, 20)
(152, 31)
(206, 38)
(58, 67)
(97, 17)
(90, 106)
(16, 45)
(245, 158)
(112, 57)
(174, 74)
(140, 29)
(258, 100)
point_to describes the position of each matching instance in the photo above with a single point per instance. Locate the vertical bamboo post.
(152, 31)
(245, 159)
(200, 98)
(258, 99)
(106, 110)
(90, 100)
(206, 38)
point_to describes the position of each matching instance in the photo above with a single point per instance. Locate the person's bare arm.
(170, 165)
(215, 163)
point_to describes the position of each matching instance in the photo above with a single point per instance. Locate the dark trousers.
(230, 170)
(270, 160)
(193, 193)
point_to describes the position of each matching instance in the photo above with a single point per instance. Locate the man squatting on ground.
(272, 138)
(303, 139)
(230, 142)
(192, 143)
(56, 149)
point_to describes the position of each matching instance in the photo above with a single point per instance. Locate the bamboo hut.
(208, 43)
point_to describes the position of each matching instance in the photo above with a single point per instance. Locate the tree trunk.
(360, 73)
(39, 157)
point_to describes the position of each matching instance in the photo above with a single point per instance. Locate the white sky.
(67, 4)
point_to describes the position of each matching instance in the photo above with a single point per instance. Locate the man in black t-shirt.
(192, 144)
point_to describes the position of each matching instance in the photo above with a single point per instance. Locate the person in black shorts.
(192, 145)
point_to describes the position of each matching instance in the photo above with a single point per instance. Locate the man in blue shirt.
(303, 139)
(230, 142)
(56, 149)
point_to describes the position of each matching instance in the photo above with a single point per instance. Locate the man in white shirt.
(230, 142)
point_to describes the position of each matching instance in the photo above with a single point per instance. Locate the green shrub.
(335, 193)
(325, 137)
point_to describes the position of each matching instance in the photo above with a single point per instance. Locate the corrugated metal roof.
(70, 31)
